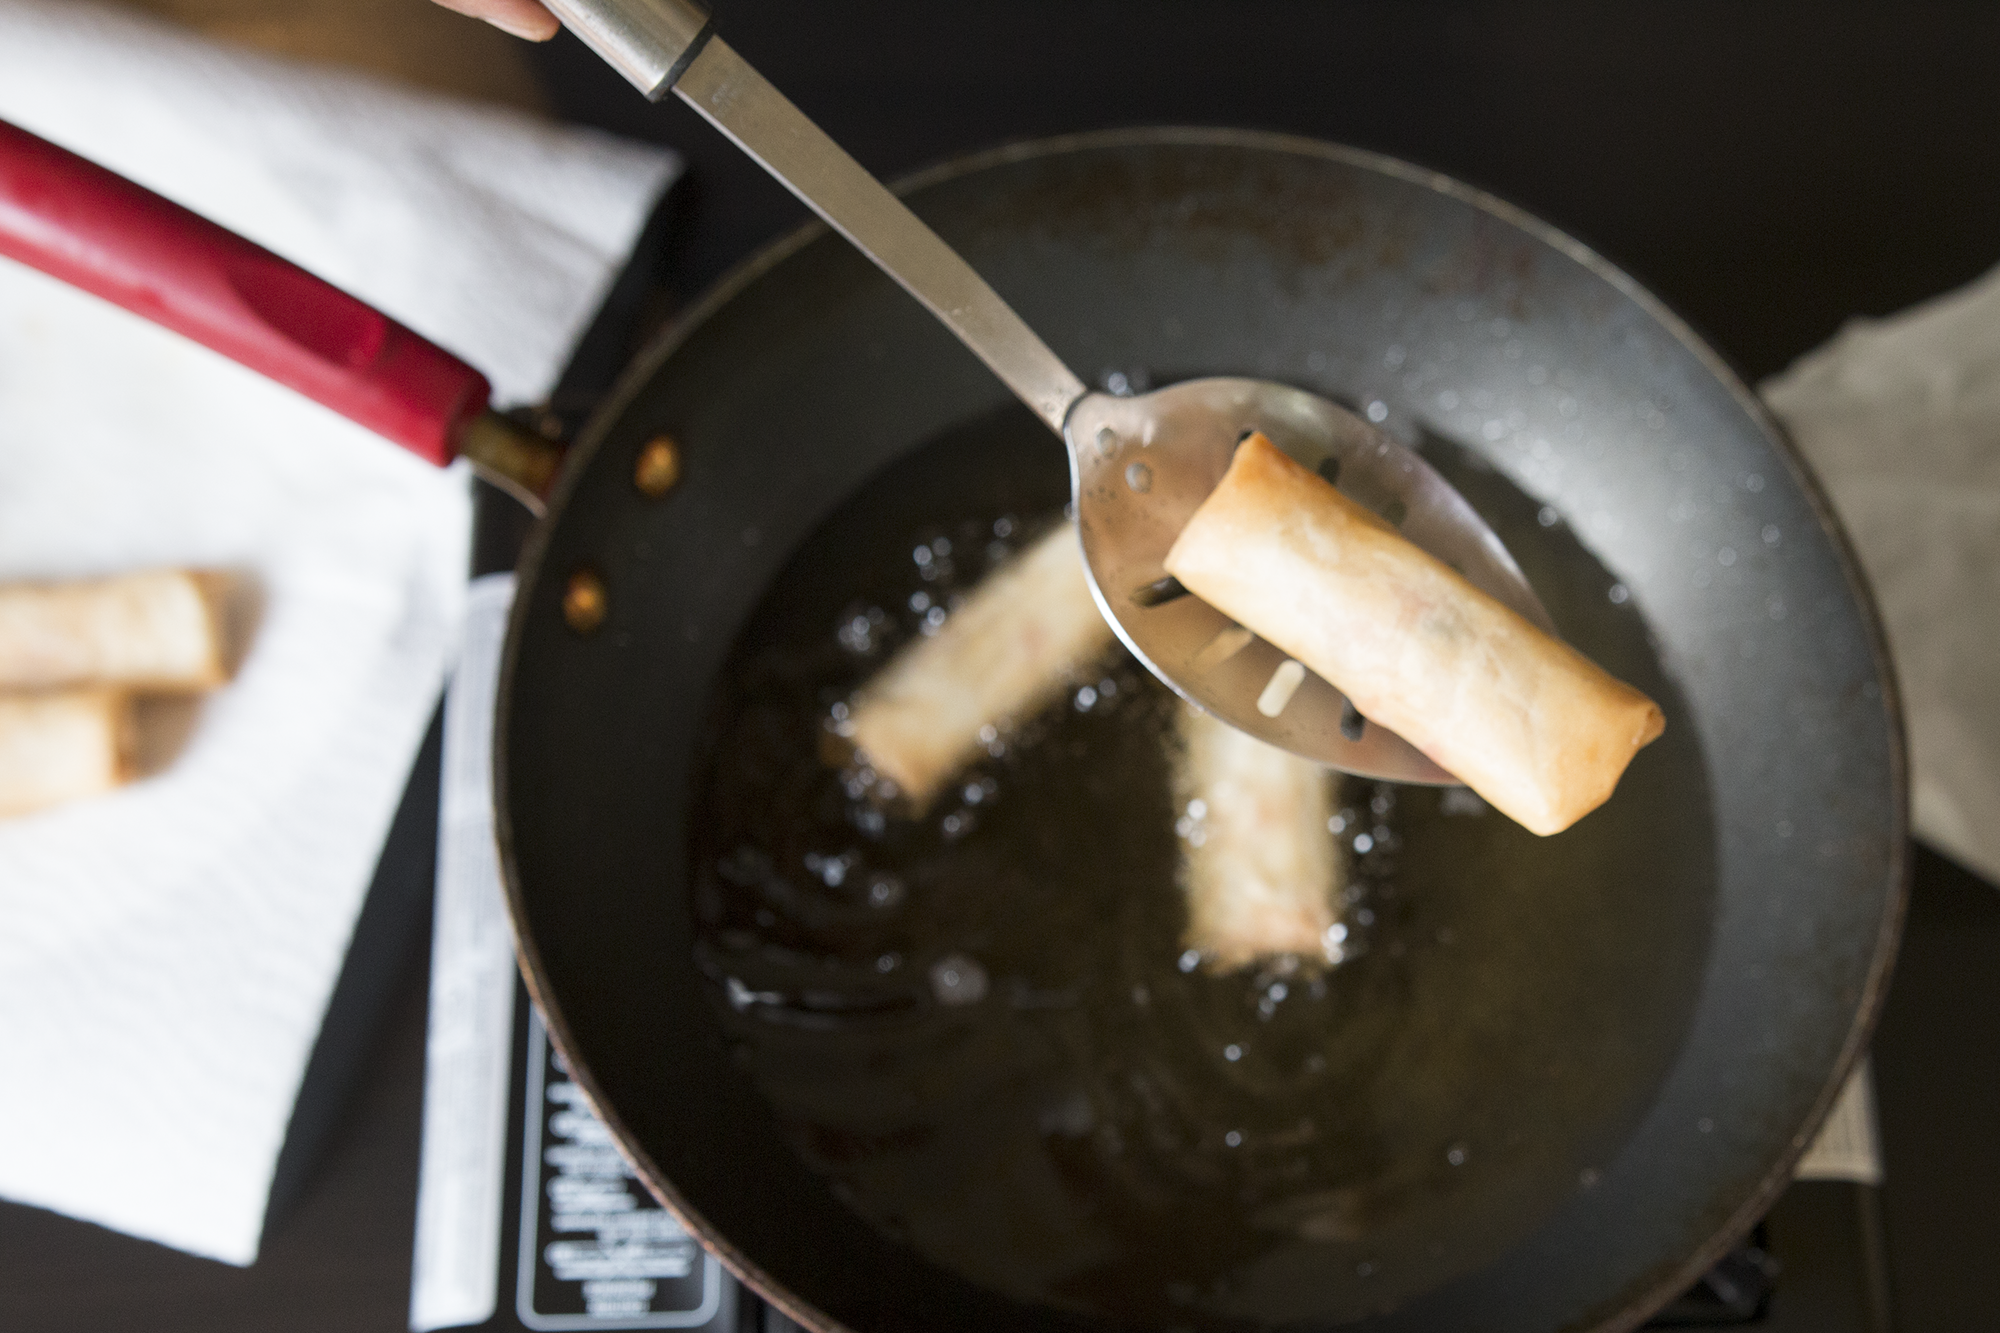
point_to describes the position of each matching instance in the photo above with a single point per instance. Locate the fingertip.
(536, 27)
(526, 19)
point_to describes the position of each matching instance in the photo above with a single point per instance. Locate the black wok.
(1726, 928)
(1564, 1075)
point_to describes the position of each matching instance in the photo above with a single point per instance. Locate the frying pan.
(1679, 985)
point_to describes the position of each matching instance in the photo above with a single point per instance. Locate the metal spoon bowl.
(1140, 465)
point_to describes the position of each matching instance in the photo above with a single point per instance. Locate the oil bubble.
(957, 979)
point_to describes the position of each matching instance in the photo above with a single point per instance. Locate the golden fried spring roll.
(1523, 719)
(58, 745)
(154, 631)
(1262, 872)
(1003, 655)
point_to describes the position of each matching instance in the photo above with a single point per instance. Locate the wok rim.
(632, 382)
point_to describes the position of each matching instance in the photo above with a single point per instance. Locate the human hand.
(523, 18)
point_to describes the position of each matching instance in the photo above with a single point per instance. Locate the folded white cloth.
(169, 949)
(1901, 419)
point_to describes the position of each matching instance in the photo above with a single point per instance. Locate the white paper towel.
(1901, 419)
(168, 950)
(468, 1073)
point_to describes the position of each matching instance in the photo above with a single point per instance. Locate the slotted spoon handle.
(669, 44)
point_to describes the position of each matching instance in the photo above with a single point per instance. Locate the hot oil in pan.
(978, 1027)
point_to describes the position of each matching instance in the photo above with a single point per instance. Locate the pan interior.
(1100, 1129)
(1526, 367)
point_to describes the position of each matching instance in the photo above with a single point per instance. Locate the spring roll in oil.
(1261, 871)
(1001, 657)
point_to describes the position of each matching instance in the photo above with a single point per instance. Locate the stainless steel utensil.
(1139, 466)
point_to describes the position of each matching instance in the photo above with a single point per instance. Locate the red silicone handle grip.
(95, 230)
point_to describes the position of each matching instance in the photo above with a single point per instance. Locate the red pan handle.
(95, 230)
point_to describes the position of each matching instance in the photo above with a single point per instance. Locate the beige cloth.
(1901, 419)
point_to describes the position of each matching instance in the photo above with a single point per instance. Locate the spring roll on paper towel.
(1529, 723)
(59, 745)
(159, 631)
(1000, 658)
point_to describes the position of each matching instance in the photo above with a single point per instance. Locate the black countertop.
(1768, 170)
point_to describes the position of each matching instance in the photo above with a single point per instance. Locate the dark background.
(1769, 169)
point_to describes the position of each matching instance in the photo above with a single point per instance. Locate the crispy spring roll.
(155, 631)
(1003, 655)
(1522, 718)
(1262, 872)
(58, 745)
